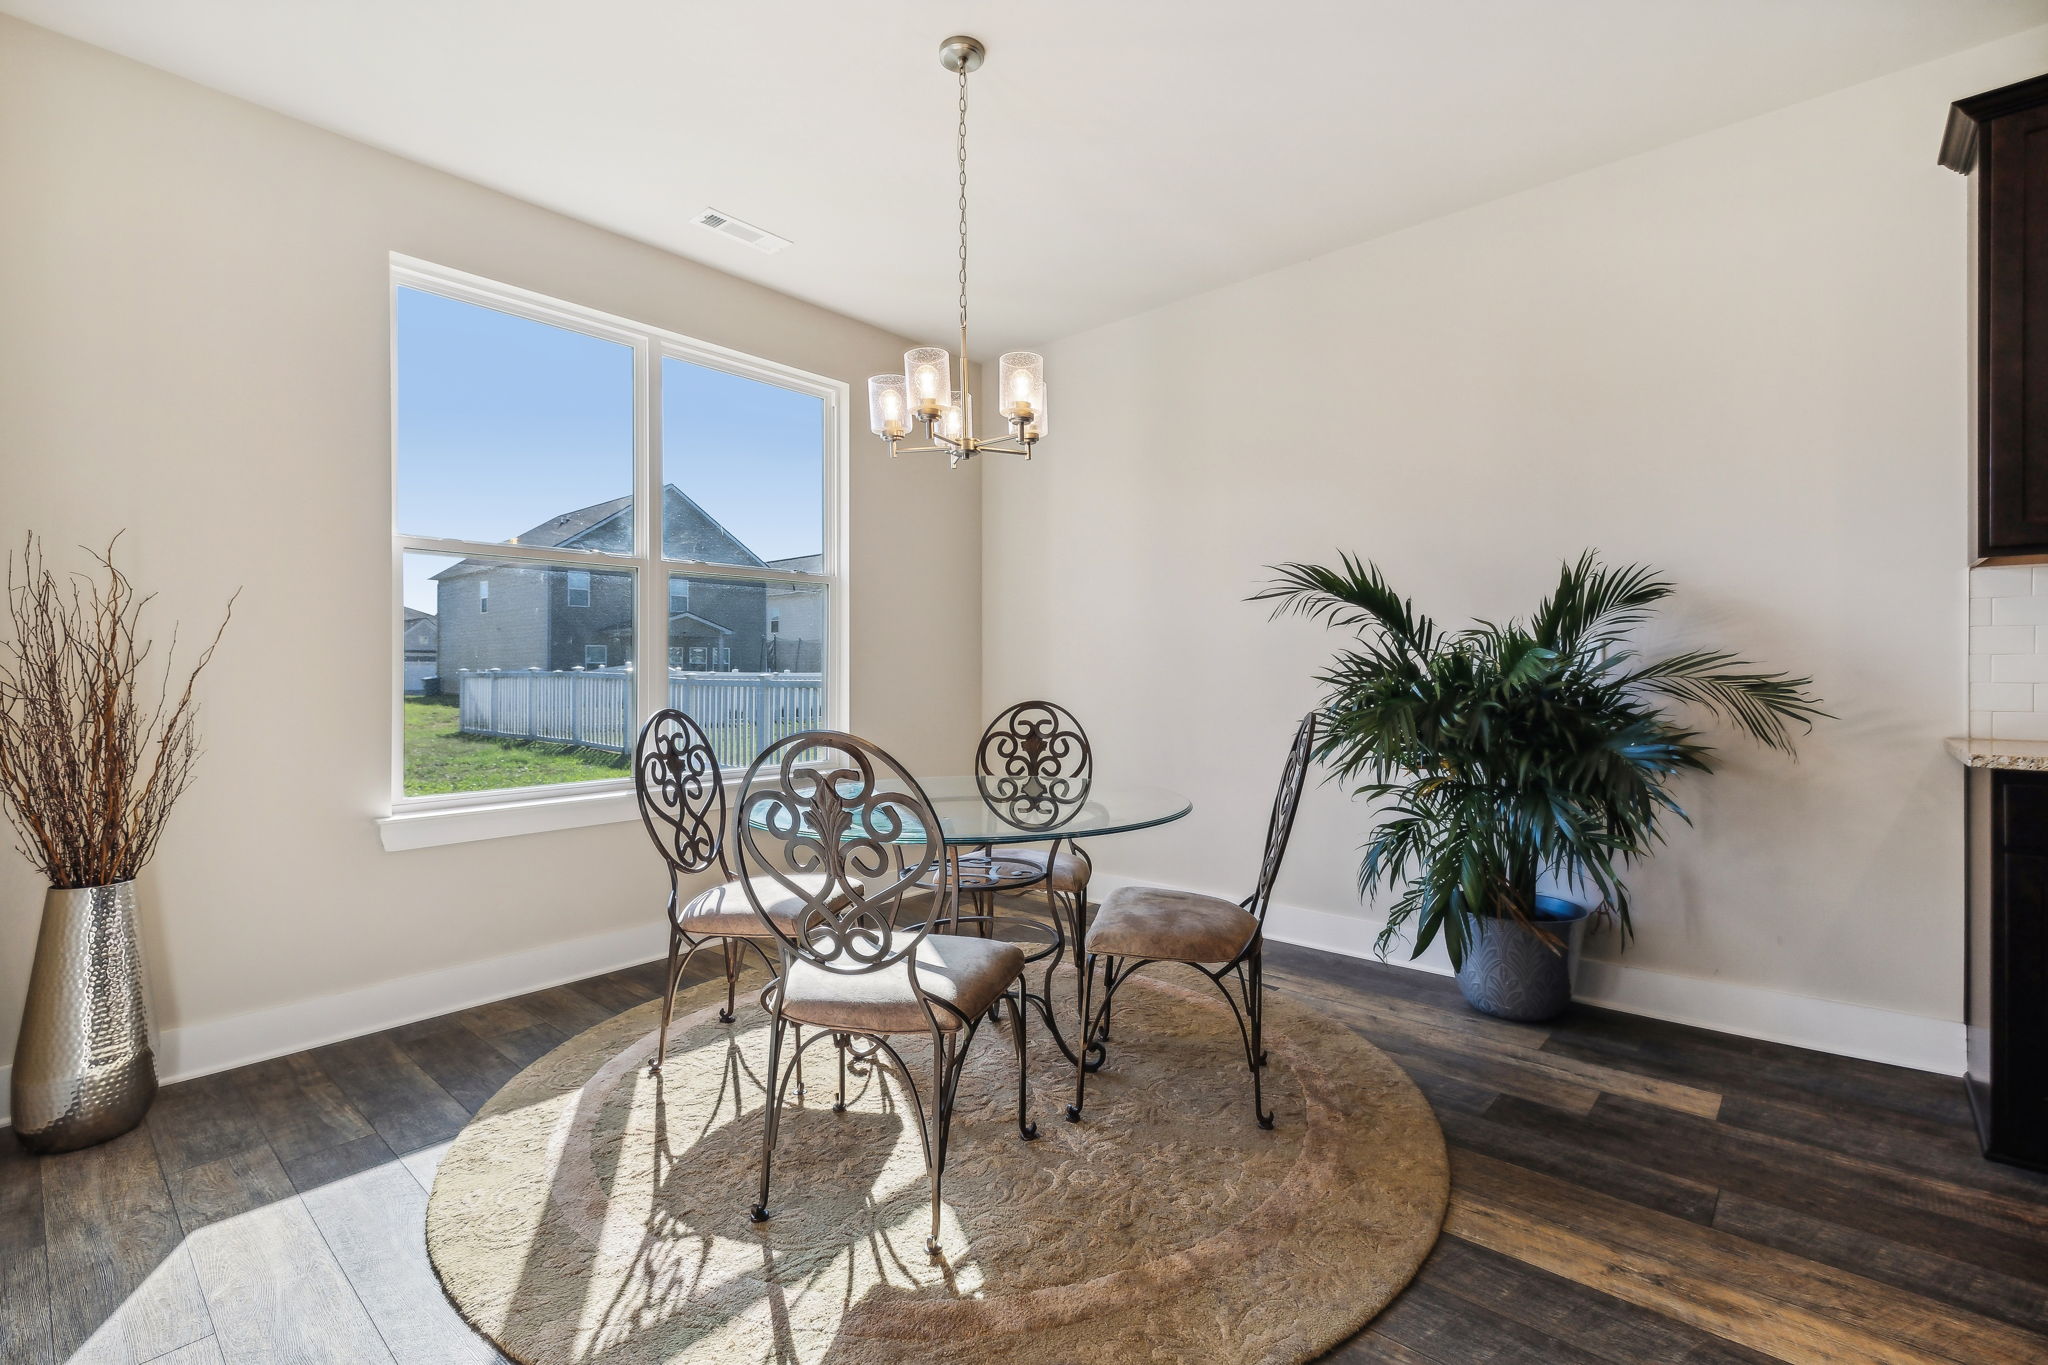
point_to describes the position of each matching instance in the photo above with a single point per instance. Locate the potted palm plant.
(96, 746)
(1504, 758)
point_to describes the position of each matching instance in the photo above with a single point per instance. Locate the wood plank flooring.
(1624, 1191)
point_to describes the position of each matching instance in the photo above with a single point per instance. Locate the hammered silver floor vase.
(84, 1070)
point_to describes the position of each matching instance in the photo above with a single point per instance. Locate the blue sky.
(504, 422)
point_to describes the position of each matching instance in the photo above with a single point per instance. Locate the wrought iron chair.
(1140, 925)
(837, 824)
(1033, 766)
(681, 791)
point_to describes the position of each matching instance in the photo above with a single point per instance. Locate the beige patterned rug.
(592, 1212)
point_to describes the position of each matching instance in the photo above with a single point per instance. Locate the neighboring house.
(422, 648)
(796, 620)
(502, 615)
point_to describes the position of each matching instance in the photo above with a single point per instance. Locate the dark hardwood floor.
(1624, 1191)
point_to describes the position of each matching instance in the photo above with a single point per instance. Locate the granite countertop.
(2026, 754)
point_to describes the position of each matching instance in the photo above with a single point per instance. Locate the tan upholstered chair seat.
(724, 911)
(1173, 926)
(1069, 873)
(967, 973)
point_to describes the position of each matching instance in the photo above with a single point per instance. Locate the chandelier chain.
(963, 230)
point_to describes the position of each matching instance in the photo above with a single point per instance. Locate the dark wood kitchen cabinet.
(2000, 140)
(2005, 1009)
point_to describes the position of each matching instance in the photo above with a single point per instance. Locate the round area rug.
(592, 1212)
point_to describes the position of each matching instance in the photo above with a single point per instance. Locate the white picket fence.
(743, 713)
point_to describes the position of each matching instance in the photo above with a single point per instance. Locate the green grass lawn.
(439, 759)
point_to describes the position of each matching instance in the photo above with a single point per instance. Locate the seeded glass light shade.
(928, 373)
(1023, 384)
(953, 418)
(1035, 428)
(888, 405)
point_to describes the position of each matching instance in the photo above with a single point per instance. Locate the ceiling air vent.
(725, 225)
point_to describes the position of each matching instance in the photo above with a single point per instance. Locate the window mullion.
(651, 620)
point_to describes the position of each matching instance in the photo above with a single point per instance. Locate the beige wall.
(194, 348)
(1741, 358)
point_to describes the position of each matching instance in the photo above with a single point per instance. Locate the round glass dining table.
(979, 815)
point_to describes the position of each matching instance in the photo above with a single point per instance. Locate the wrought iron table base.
(989, 874)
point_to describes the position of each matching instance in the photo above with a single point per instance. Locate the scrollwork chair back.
(1035, 753)
(828, 805)
(1280, 826)
(681, 791)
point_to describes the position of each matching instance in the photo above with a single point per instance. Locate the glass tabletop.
(997, 810)
(993, 810)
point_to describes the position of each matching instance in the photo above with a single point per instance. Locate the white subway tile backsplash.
(2001, 639)
(2018, 611)
(2012, 696)
(2019, 725)
(2019, 667)
(2001, 582)
(2009, 652)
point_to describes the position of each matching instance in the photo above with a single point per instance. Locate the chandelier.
(924, 392)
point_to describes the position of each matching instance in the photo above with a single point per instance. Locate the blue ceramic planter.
(1511, 972)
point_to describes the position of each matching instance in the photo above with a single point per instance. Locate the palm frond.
(1762, 704)
(1593, 603)
(1347, 598)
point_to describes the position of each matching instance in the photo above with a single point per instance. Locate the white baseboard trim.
(1847, 1030)
(220, 1044)
(1862, 1031)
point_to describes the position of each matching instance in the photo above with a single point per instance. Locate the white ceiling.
(1125, 154)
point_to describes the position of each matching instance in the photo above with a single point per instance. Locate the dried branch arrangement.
(92, 755)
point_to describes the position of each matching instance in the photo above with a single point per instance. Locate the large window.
(595, 519)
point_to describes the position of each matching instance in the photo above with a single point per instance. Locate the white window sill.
(433, 826)
(531, 811)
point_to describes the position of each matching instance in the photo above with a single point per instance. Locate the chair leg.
(671, 974)
(1110, 981)
(770, 1120)
(732, 983)
(1082, 1037)
(841, 1041)
(946, 1077)
(1025, 1125)
(1255, 1006)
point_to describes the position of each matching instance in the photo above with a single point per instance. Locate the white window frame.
(569, 588)
(423, 821)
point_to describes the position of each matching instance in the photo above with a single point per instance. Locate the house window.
(521, 469)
